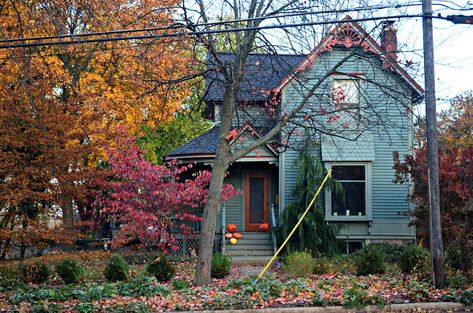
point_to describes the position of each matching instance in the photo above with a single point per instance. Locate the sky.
(453, 54)
(453, 44)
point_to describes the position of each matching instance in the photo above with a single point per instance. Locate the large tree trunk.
(219, 167)
(209, 223)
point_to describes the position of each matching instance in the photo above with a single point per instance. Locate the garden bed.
(236, 291)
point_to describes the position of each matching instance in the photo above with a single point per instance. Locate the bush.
(180, 284)
(142, 286)
(35, 272)
(70, 271)
(455, 259)
(116, 269)
(355, 297)
(466, 297)
(299, 264)
(414, 259)
(343, 263)
(221, 265)
(321, 266)
(370, 261)
(455, 279)
(45, 308)
(161, 268)
(84, 307)
(9, 277)
(391, 252)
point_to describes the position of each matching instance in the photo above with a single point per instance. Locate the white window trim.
(368, 195)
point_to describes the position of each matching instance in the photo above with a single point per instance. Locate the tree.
(187, 124)
(149, 201)
(456, 123)
(314, 234)
(34, 148)
(61, 104)
(323, 120)
(456, 177)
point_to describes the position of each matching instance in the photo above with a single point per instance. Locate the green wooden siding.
(235, 213)
(235, 210)
(389, 200)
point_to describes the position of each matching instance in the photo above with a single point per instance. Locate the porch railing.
(223, 208)
(273, 227)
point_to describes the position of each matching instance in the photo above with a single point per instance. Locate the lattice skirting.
(188, 245)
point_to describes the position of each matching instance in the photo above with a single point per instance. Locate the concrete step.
(256, 235)
(249, 246)
(251, 260)
(252, 247)
(249, 252)
(245, 241)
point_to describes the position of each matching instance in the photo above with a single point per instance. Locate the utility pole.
(435, 227)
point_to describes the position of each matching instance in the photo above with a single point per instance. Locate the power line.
(199, 33)
(211, 24)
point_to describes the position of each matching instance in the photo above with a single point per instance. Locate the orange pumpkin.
(237, 235)
(228, 235)
(231, 228)
(264, 227)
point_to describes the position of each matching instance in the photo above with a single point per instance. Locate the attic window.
(346, 91)
(346, 100)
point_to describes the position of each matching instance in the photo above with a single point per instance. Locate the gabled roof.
(350, 34)
(262, 73)
(205, 145)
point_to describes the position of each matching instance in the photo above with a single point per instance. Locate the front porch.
(255, 204)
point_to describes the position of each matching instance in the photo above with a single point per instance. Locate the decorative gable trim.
(351, 34)
(248, 127)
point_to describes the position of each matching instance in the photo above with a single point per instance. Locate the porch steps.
(253, 247)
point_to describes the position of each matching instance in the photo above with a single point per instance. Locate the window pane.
(348, 172)
(351, 201)
(349, 89)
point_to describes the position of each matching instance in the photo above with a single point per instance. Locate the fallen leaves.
(239, 292)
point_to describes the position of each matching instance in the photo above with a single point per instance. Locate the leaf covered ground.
(236, 291)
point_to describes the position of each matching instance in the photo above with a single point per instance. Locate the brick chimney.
(389, 39)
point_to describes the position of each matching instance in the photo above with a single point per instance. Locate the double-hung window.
(352, 200)
(346, 100)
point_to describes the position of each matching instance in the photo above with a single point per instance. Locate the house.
(359, 115)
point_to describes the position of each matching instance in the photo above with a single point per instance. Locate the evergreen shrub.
(161, 268)
(369, 260)
(70, 270)
(36, 272)
(116, 269)
(221, 265)
(414, 259)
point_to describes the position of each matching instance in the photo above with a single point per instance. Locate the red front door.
(256, 198)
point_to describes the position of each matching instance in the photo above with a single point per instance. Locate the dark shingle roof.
(204, 144)
(262, 73)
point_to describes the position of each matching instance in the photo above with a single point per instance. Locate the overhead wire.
(206, 32)
(211, 24)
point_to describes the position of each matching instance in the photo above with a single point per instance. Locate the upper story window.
(346, 100)
(347, 92)
(354, 200)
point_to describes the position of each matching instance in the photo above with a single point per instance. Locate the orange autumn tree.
(60, 104)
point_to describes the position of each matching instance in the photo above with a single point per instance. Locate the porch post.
(222, 228)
